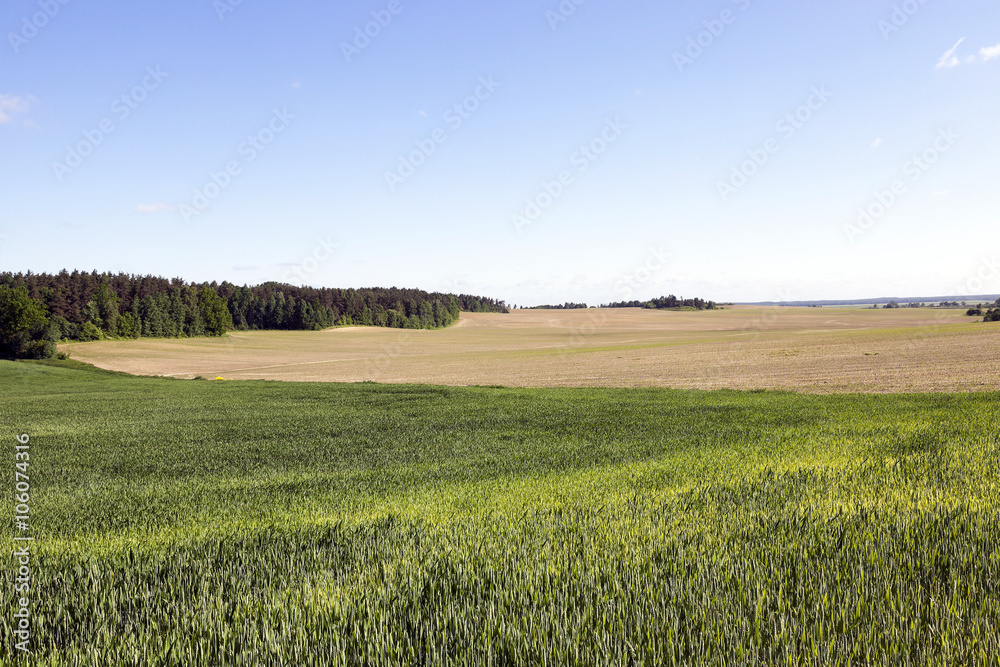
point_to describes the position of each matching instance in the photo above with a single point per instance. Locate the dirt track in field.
(801, 349)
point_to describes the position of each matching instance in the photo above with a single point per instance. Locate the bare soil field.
(799, 349)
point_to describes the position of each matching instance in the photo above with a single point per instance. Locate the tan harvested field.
(800, 349)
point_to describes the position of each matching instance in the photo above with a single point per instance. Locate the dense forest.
(91, 306)
(666, 302)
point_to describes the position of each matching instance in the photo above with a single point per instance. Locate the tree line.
(565, 306)
(662, 303)
(37, 310)
(666, 303)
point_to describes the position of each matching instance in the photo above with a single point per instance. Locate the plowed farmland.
(801, 349)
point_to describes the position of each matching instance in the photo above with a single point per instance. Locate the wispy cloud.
(12, 105)
(990, 52)
(949, 59)
(952, 59)
(158, 207)
(878, 142)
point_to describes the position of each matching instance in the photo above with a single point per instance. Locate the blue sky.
(598, 152)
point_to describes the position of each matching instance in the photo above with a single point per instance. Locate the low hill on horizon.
(979, 298)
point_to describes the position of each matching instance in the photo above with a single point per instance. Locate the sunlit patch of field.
(801, 349)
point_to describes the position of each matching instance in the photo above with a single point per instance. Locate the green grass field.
(264, 523)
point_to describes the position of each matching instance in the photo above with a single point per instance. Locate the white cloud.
(158, 207)
(949, 59)
(878, 142)
(942, 193)
(990, 52)
(11, 105)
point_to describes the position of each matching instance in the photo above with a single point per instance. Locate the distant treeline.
(665, 303)
(919, 304)
(565, 306)
(89, 306)
(662, 303)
